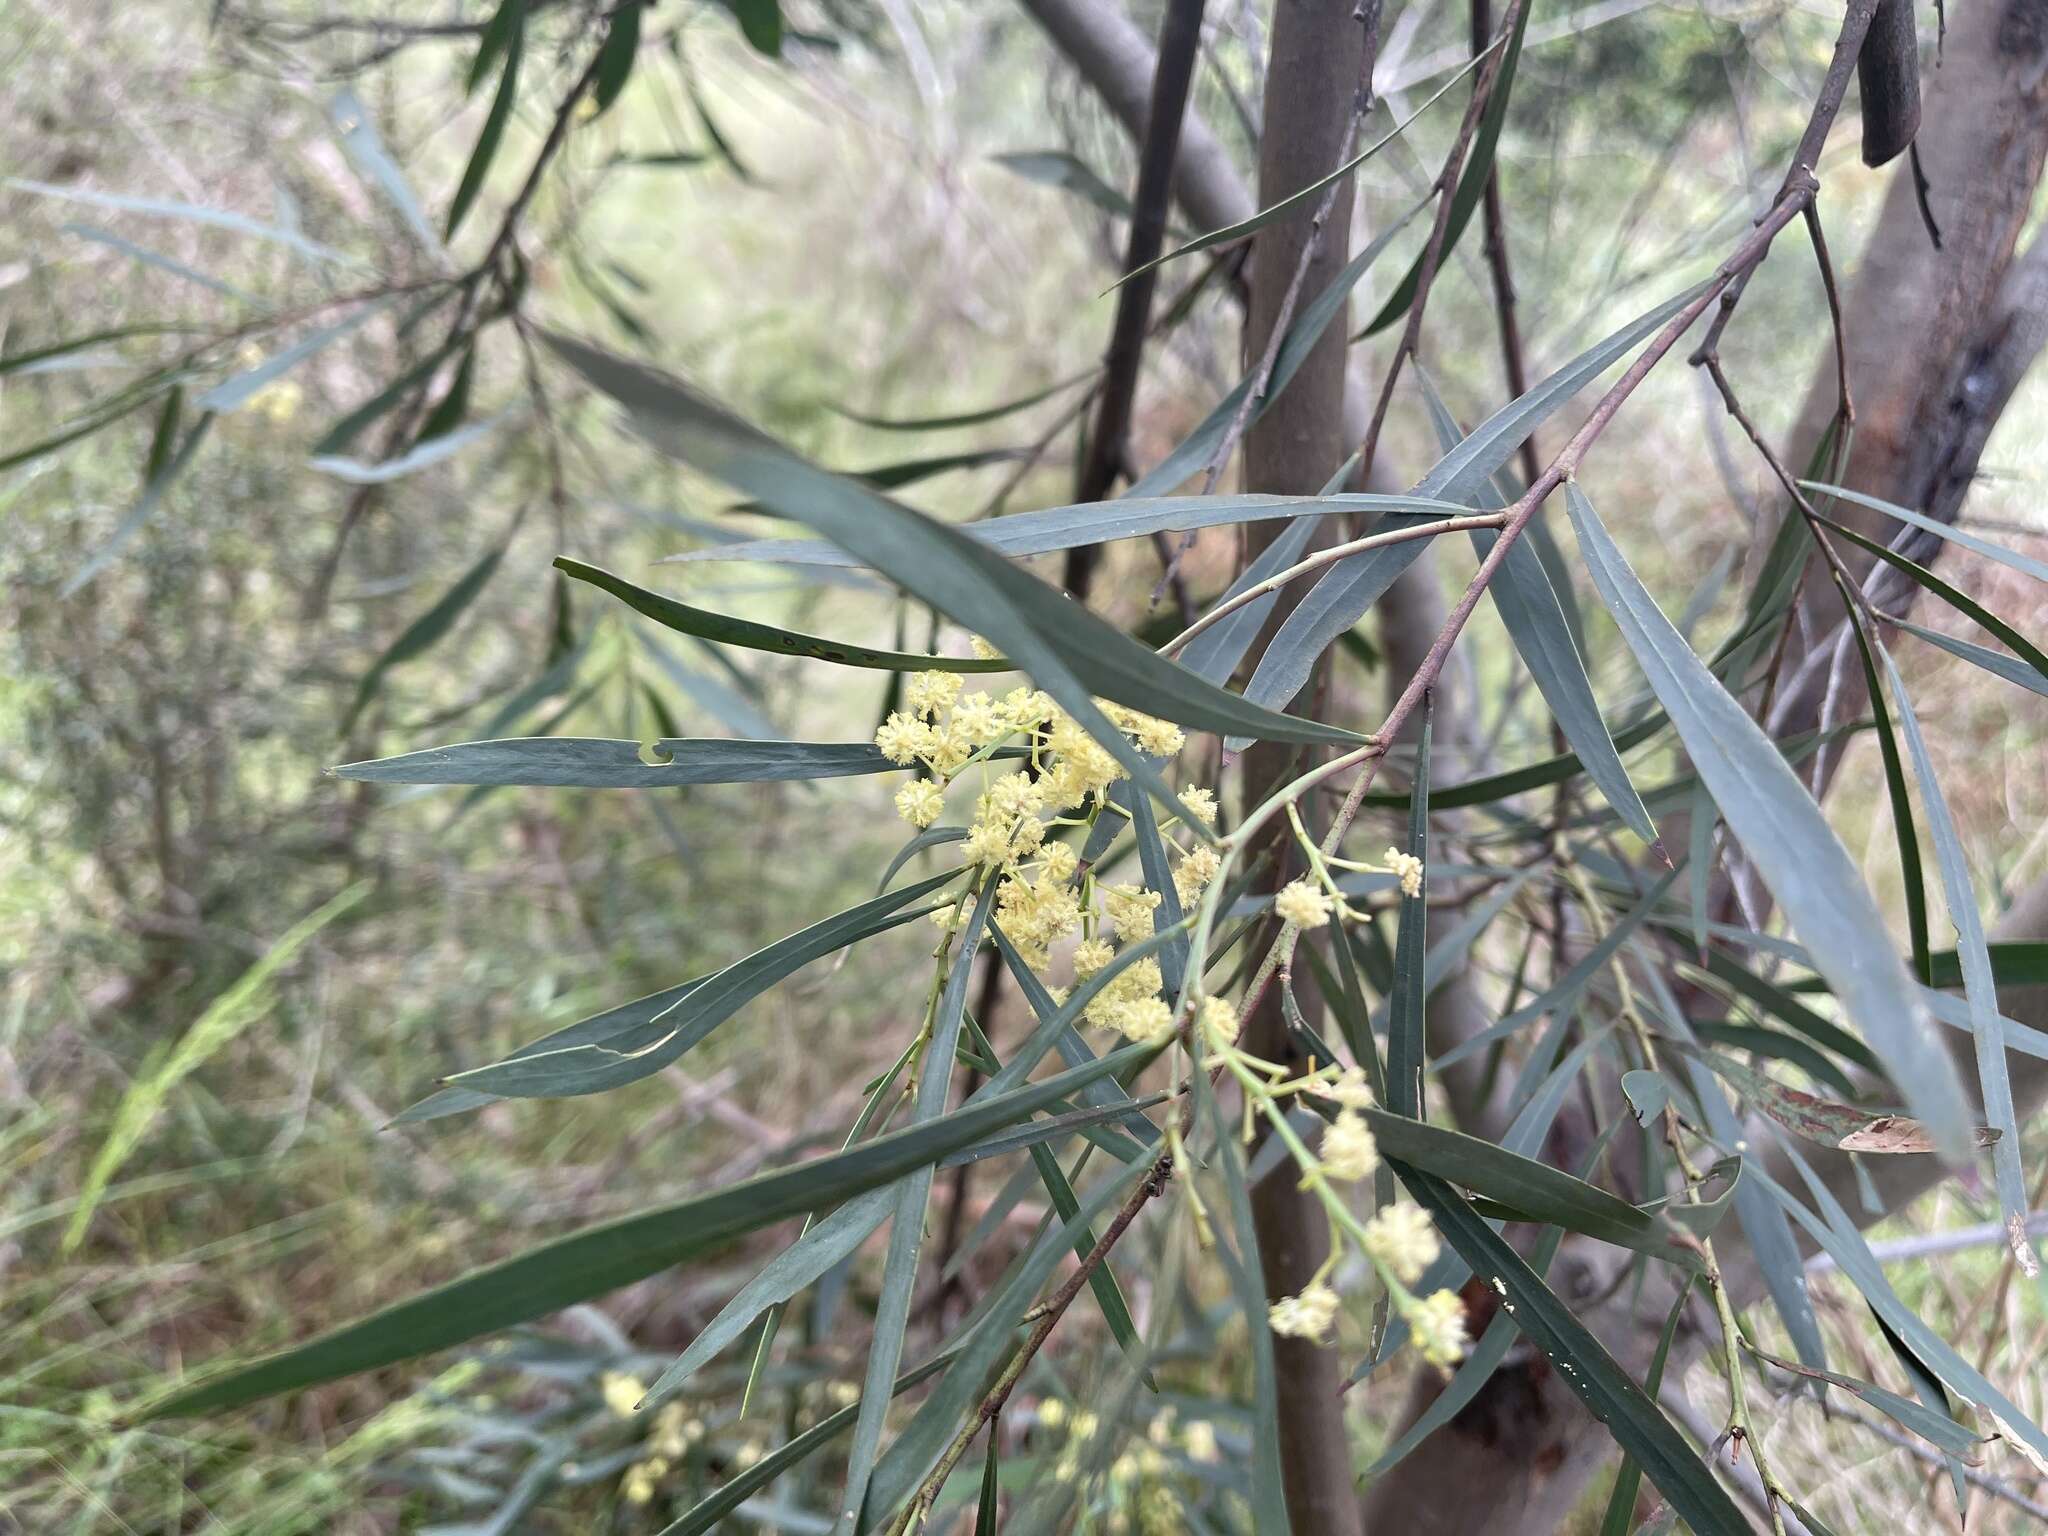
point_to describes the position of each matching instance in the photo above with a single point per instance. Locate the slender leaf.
(353, 121)
(2012, 559)
(164, 469)
(1908, 840)
(963, 419)
(1997, 663)
(1980, 987)
(1091, 522)
(164, 208)
(506, 23)
(1068, 651)
(596, 1063)
(603, 1258)
(1350, 587)
(492, 133)
(424, 454)
(1471, 181)
(1407, 1016)
(589, 763)
(1787, 840)
(234, 393)
(1535, 620)
(1636, 1422)
(615, 57)
(1058, 168)
(1621, 1504)
(423, 632)
(765, 637)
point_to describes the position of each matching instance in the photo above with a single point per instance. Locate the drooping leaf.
(422, 633)
(506, 22)
(965, 418)
(637, 1048)
(422, 455)
(1787, 840)
(2012, 559)
(164, 467)
(1903, 832)
(156, 259)
(1350, 587)
(1826, 1122)
(1471, 181)
(1407, 1013)
(591, 763)
(492, 134)
(2022, 674)
(357, 129)
(1051, 529)
(234, 393)
(615, 56)
(906, 1223)
(765, 637)
(1980, 988)
(1636, 1422)
(603, 1258)
(1529, 608)
(1938, 1429)
(165, 208)
(1058, 168)
(1067, 650)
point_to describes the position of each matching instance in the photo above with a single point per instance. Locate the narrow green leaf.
(423, 632)
(163, 470)
(164, 208)
(1340, 599)
(962, 419)
(1788, 841)
(1051, 529)
(593, 763)
(906, 1224)
(493, 132)
(233, 393)
(1535, 621)
(1980, 987)
(2020, 673)
(1239, 1253)
(1906, 838)
(506, 23)
(1621, 1504)
(1471, 182)
(356, 127)
(1407, 1016)
(156, 259)
(1938, 1429)
(985, 1513)
(1759, 1041)
(1068, 651)
(1058, 168)
(616, 55)
(595, 1063)
(449, 410)
(603, 1258)
(1954, 597)
(1838, 1236)
(2012, 559)
(1636, 1422)
(761, 24)
(766, 637)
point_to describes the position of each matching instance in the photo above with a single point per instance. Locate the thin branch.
(1512, 360)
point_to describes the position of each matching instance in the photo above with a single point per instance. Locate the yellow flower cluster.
(1307, 1316)
(670, 1437)
(1039, 900)
(1302, 903)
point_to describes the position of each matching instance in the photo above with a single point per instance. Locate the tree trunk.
(1317, 54)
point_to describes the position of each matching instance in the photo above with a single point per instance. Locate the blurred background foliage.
(822, 231)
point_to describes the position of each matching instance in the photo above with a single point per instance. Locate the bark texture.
(1315, 60)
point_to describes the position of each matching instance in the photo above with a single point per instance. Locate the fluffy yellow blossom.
(1438, 1322)
(1406, 868)
(674, 1432)
(1307, 1316)
(1059, 862)
(927, 693)
(1161, 738)
(1194, 872)
(1130, 910)
(1052, 1413)
(983, 651)
(1402, 1238)
(1303, 903)
(1201, 804)
(904, 739)
(1133, 984)
(919, 802)
(1148, 1021)
(622, 1393)
(1092, 956)
(1349, 1152)
(1350, 1089)
(642, 1479)
(1200, 1439)
(1220, 1023)
(976, 717)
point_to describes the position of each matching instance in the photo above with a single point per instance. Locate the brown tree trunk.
(1317, 53)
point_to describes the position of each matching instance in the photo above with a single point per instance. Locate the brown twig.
(1512, 361)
